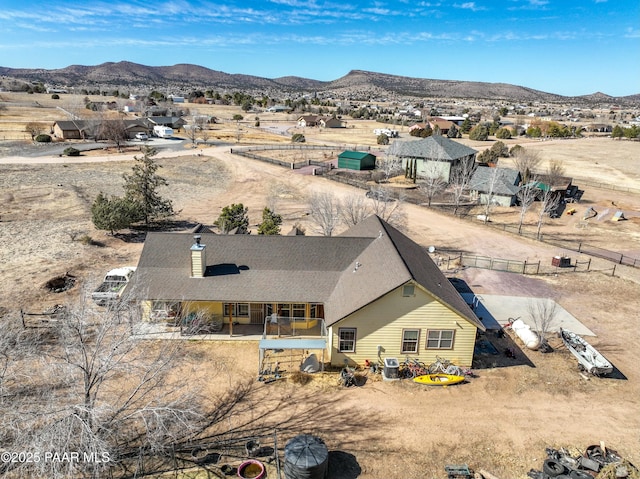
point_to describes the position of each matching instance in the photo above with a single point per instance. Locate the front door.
(256, 312)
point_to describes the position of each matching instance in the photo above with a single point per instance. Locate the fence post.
(589, 264)
(538, 268)
(524, 267)
(613, 273)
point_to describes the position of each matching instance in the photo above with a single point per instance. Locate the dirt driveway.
(500, 421)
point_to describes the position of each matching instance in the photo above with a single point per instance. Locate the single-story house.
(435, 152)
(356, 160)
(500, 186)
(443, 125)
(83, 129)
(377, 292)
(331, 122)
(308, 120)
(174, 122)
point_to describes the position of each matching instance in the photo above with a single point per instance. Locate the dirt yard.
(500, 421)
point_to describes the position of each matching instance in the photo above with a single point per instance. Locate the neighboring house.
(331, 123)
(277, 109)
(442, 124)
(498, 185)
(378, 293)
(174, 122)
(436, 152)
(356, 160)
(72, 130)
(83, 129)
(308, 120)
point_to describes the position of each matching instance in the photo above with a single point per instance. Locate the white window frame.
(435, 335)
(342, 341)
(415, 341)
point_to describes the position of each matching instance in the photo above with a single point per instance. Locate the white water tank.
(530, 338)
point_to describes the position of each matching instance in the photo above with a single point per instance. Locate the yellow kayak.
(439, 379)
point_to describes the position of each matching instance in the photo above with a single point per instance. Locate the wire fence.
(454, 262)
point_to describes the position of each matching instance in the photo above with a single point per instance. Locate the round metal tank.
(306, 457)
(523, 331)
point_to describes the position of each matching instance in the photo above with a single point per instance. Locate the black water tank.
(306, 457)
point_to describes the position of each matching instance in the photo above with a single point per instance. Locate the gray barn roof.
(344, 272)
(506, 182)
(435, 147)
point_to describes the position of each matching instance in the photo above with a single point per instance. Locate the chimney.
(198, 258)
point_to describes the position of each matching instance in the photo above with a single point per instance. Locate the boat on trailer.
(438, 379)
(589, 358)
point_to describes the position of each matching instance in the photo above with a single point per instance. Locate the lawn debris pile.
(596, 462)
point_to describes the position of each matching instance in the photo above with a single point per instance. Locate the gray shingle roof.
(506, 183)
(435, 147)
(344, 272)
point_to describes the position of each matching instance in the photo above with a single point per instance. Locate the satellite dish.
(431, 249)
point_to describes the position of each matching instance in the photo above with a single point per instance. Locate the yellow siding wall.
(381, 323)
(145, 307)
(209, 307)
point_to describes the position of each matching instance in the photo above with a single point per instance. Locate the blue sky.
(559, 46)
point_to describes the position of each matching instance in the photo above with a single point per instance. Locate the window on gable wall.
(347, 340)
(408, 290)
(410, 340)
(440, 338)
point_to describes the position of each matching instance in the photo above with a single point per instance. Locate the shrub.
(298, 138)
(503, 133)
(71, 151)
(55, 96)
(382, 139)
(479, 133)
(42, 138)
(86, 240)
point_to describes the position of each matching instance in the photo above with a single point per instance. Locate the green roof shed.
(356, 160)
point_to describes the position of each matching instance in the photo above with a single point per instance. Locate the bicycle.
(412, 368)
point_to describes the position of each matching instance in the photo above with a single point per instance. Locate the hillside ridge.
(356, 83)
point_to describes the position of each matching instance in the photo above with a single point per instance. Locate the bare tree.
(33, 128)
(387, 208)
(432, 182)
(490, 188)
(389, 166)
(104, 396)
(192, 133)
(459, 180)
(323, 209)
(526, 196)
(114, 131)
(353, 209)
(555, 170)
(543, 314)
(526, 162)
(549, 202)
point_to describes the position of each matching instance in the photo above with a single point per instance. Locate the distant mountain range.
(357, 83)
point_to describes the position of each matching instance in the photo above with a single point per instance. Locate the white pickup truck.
(113, 285)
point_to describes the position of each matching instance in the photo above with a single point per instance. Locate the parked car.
(113, 285)
(142, 136)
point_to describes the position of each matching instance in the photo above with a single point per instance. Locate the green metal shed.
(356, 160)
